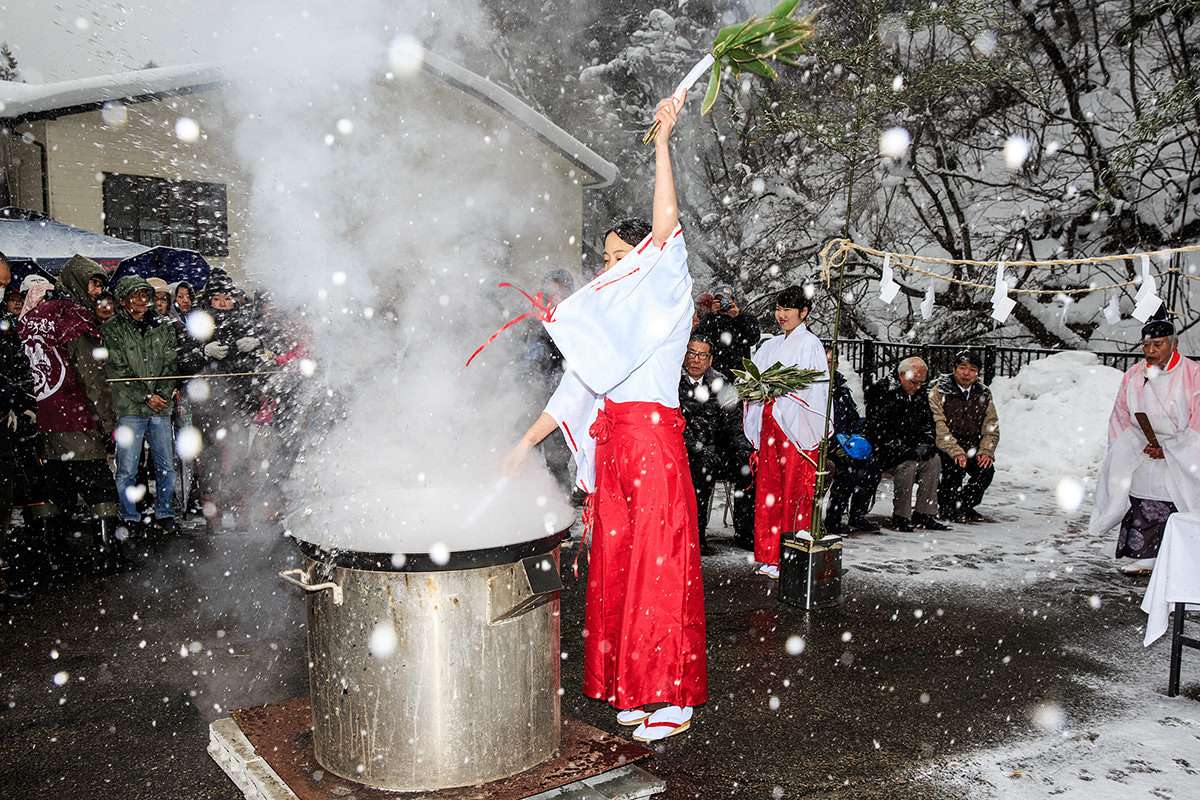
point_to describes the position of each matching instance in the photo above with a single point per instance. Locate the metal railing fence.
(872, 359)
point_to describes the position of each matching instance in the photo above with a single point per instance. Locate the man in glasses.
(900, 428)
(716, 447)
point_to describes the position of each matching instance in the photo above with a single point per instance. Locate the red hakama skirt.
(644, 630)
(785, 484)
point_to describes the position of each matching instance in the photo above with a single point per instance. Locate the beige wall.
(141, 141)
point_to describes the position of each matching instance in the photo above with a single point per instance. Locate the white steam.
(388, 204)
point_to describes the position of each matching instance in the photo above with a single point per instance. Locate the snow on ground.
(1053, 424)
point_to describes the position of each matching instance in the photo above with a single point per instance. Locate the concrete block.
(626, 783)
(233, 752)
(572, 791)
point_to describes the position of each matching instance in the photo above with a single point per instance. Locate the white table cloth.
(1176, 576)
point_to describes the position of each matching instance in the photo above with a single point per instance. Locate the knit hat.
(31, 281)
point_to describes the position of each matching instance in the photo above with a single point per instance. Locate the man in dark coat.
(901, 432)
(74, 404)
(968, 430)
(236, 359)
(717, 449)
(732, 333)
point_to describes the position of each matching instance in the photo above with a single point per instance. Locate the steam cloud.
(389, 208)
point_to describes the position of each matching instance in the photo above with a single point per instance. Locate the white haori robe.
(1170, 399)
(800, 415)
(622, 336)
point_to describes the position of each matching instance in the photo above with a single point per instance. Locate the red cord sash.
(588, 518)
(543, 309)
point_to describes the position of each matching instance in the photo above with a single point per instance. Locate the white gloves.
(248, 343)
(216, 350)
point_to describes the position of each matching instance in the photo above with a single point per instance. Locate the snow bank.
(1054, 419)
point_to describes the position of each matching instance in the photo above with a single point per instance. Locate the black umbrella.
(169, 263)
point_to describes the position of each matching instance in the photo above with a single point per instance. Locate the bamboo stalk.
(198, 375)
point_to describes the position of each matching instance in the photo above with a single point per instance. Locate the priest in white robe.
(1142, 482)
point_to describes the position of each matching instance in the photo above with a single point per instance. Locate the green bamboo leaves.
(751, 46)
(775, 381)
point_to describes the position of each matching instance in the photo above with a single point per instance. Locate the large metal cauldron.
(426, 676)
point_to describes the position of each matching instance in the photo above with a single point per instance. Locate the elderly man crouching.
(1142, 482)
(900, 429)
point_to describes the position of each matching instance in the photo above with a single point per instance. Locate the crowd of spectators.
(127, 406)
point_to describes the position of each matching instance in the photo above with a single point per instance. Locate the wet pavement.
(109, 684)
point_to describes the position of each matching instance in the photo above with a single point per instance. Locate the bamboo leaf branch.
(748, 47)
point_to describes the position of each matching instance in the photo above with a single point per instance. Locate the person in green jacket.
(141, 345)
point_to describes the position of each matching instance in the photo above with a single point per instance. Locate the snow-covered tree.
(9, 71)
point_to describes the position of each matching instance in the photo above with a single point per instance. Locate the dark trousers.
(91, 481)
(854, 484)
(955, 496)
(741, 481)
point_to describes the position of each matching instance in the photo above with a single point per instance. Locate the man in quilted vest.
(967, 430)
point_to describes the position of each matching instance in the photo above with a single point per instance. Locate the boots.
(833, 515)
(107, 556)
(210, 504)
(860, 504)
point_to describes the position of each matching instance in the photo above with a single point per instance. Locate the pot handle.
(301, 580)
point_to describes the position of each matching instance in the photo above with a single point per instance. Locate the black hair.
(703, 338)
(561, 277)
(630, 230)
(794, 297)
(969, 356)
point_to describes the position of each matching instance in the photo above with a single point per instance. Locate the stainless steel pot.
(428, 676)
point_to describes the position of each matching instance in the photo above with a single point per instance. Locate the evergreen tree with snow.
(9, 71)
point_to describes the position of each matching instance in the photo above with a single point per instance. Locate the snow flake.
(187, 129)
(894, 142)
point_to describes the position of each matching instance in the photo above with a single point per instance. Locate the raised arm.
(666, 211)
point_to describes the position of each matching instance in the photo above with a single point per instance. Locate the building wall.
(139, 139)
(536, 219)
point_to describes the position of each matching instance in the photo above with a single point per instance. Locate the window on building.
(157, 211)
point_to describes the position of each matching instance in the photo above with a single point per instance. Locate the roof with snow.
(23, 102)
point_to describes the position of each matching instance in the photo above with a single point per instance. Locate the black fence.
(873, 359)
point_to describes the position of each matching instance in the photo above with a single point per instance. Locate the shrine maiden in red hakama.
(786, 432)
(623, 336)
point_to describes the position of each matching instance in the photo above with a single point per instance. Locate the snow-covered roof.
(20, 102)
(515, 109)
(24, 101)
